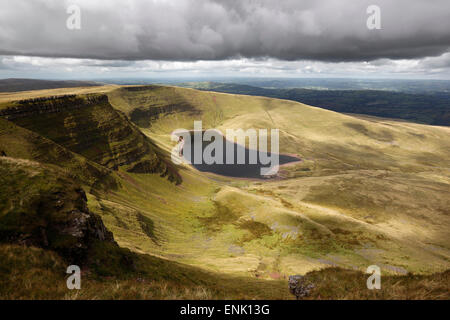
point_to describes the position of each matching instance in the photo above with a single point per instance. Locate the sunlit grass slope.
(40, 206)
(366, 192)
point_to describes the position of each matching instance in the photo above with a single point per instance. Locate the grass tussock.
(33, 273)
(337, 283)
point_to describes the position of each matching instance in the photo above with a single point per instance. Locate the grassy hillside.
(39, 274)
(41, 207)
(367, 191)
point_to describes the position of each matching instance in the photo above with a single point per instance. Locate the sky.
(92, 39)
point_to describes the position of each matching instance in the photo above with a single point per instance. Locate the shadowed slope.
(18, 142)
(89, 126)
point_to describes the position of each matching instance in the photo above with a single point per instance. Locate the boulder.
(300, 286)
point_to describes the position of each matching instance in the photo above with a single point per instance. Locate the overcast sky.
(188, 38)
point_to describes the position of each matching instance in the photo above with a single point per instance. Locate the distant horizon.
(244, 85)
(205, 78)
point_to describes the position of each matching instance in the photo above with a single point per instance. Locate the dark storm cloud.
(187, 30)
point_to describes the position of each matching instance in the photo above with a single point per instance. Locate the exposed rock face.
(26, 108)
(37, 148)
(89, 126)
(155, 166)
(48, 211)
(69, 227)
(144, 104)
(143, 116)
(299, 286)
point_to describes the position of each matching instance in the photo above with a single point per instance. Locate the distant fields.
(14, 85)
(426, 107)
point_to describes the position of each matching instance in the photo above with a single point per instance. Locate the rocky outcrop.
(70, 228)
(156, 166)
(143, 116)
(47, 210)
(68, 231)
(299, 286)
(56, 104)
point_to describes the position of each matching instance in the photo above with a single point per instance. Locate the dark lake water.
(237, 170)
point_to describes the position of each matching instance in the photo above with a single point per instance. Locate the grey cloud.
(108, 63)
(437, 62)
(3, 66)
(190, 30)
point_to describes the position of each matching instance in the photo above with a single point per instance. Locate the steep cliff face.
(144, 115)
(46, 105)
(18, 142)
(144, 104)
(41, 206)
(88, 125)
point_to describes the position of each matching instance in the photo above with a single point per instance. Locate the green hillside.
(366, 192)
(346, 202)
